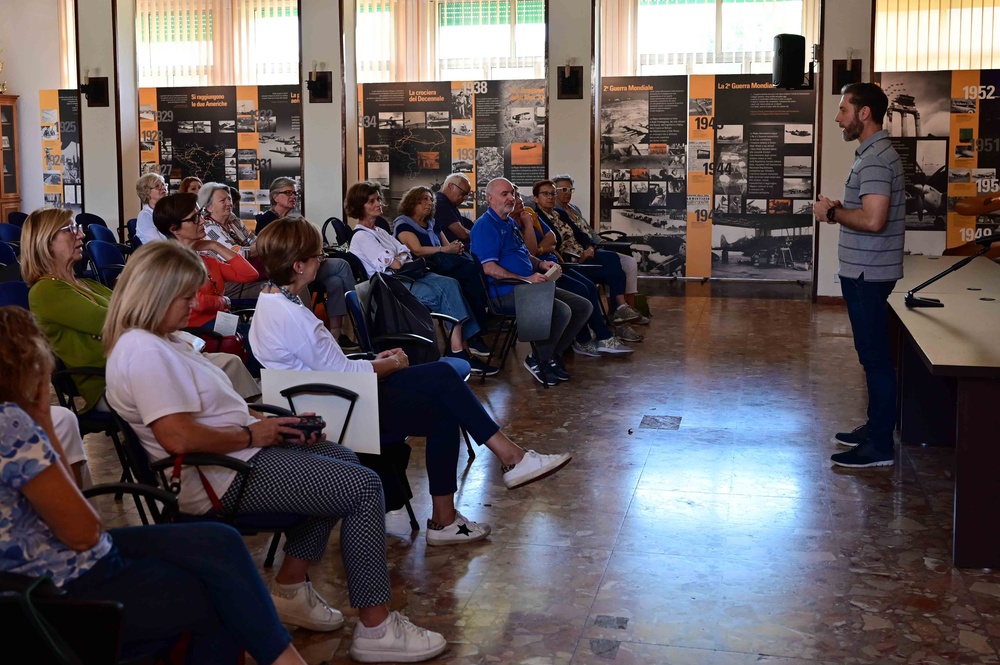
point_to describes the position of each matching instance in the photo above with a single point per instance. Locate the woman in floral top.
(185, 578)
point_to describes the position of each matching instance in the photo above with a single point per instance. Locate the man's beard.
(853, 130)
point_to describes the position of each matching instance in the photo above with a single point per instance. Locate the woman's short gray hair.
(208, 190)
(279, 184)
(146, 183)
(564, 176)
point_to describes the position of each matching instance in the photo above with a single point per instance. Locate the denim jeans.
(574, 282)
(867, 309)
(443, 295)
(176, 578)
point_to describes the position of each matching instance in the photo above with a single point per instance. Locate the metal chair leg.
(414, 525)
(272, 550)
(468, 445)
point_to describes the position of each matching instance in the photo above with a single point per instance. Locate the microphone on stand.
(913, 301)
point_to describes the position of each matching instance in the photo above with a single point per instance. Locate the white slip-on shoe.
(402, 642)
(305, 608)
(533, 467)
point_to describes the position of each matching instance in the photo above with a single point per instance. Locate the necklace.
(285, 292)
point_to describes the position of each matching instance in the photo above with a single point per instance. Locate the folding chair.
(104, 234)
(503, 320)
(8, 256)
(107, 261)
(11, 235)
(133, 237)
(85, 219)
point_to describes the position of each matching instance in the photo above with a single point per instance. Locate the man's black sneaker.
(539, 372)
(479, 367)
(862, 456)
(850, 439)
(556, 369)
(477, 347)
(346, 343)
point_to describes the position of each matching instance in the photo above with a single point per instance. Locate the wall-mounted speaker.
(789, 61)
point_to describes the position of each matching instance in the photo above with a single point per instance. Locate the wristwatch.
(831, 214)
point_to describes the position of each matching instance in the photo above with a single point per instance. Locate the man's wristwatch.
(831, 214)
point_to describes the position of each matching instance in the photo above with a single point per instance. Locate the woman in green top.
(69, 309)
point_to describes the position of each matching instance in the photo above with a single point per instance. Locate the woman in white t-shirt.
(424, 400)
(179, 403)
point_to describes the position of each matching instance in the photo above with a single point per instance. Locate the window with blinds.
(217, 42)
(421, 40)
(699, 36)
(923, 35)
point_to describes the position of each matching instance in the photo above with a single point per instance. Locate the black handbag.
(414, 269)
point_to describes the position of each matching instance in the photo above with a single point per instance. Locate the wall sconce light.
(320, 85)
(95, 89)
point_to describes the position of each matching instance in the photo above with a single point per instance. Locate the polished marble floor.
(700, 520)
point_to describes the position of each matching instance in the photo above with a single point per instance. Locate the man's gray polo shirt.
(877, 169)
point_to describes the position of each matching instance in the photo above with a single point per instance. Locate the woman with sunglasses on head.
(179, 218)
(284, 199)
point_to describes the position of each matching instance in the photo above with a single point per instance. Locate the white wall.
(29, 36)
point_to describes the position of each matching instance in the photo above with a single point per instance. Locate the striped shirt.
(878, 170)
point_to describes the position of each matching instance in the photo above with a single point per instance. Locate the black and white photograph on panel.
(919, 103)
(657, 237)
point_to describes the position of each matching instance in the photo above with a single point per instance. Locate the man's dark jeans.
(867, 309)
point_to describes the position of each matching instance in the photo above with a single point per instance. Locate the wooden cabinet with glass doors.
(10, 179)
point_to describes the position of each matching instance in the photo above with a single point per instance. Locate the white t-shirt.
(150, 377)
(376, 249)
(145, 230)
(284, 335)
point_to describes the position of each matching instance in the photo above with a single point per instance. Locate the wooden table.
(981, 273)
(949, 367)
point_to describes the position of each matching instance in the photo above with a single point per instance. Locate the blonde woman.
(150, 188)
(179, 404)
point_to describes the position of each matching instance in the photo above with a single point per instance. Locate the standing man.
(498, 243)
(872, 229)
(449, 220)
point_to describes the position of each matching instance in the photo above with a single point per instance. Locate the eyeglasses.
(565, 189)
(73, 227)
(287, 192)
(546, 193)
(463, 192)
(194, 217)
(320, 257)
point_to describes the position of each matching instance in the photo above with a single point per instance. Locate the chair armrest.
(614, 245)
(361, 356)
(272, 410)
(21, 583)
(612, 235)
(80, 371)
(124, 249)
(401, 338)
(444, 318)
(168, 499)
(204, 459)
(572, 255)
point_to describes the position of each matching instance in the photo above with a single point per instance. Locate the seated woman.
(197, 579)
(189, 185)
(72, 310)
(424, 400)
(380, 252)
(178, 217)
(150, 188)
(416, 228)
(564, 202)
(178, 403)
(572, 240)
(335, 277)
(596, 337)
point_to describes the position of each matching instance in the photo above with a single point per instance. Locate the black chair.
(342, 234)
(502, 320)
(16, 217)
(14, 293)
(67, 631)
(104, 234)
(154, 474)
(85, 219)
(390, 465)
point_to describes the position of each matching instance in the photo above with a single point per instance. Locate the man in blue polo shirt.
(498, 243)
(872, 227)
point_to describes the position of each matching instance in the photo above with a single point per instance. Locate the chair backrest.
(316, 397)
(16, 217)
(85, 219)
(138, 464)
(107, 260)
(10, 233)
(102, 233)
(355, 311)
(132, 230)
(14, 293)
(7, 254)
(342, 232)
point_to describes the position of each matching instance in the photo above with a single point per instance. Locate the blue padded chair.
(11, 235)
(133, 237)
(107, 261)
(14, 293)
(7, 254)
(16, 217)
(85, 219)
(104, 234)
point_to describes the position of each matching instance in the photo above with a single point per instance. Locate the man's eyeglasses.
(463, 192)
(546, 193)
(287, 192)
(73, 227)
(565, 189)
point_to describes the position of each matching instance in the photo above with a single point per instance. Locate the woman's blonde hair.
(36, 241)
(285, 241)
(25, 356)
(157, 274)
(146, 183)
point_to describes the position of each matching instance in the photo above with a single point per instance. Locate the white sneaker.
(402, 643)
(534, 467)
(613, 346)
(462, 530)
(625, 314)
(588, 349)
(305, 608)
